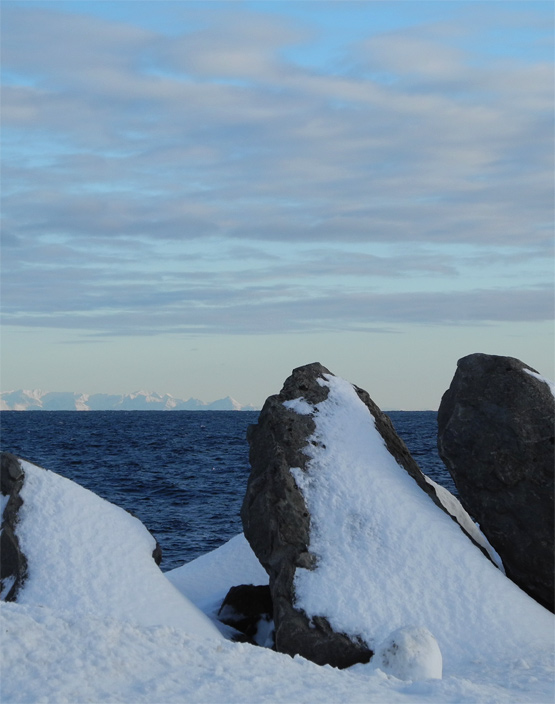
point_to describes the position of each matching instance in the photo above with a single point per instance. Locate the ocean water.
(182, 473)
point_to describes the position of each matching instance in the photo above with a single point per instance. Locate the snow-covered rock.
(277, 520)
(88, 557)
(380, 552)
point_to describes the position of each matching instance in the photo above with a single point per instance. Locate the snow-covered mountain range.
(37, 400)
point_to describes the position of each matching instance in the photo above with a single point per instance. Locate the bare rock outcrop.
(13, 563)
(496, 437)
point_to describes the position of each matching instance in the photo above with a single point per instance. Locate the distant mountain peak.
(39, 400)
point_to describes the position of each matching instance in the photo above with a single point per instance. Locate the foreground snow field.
(57, 657)
(98, 622)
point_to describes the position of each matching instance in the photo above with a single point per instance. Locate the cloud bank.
(205, 180)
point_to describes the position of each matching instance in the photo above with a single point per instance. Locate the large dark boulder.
(496, 437)
(276, 521)
(13, 563)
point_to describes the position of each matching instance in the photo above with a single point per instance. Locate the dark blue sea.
(182, 473)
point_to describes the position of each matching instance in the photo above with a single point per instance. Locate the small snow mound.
(410, 653)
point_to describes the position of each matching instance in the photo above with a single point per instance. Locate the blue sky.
(199, 196)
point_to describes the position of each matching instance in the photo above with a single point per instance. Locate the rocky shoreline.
(496, 438)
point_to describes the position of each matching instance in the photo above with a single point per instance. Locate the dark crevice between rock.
(249, 610)
(13, 563)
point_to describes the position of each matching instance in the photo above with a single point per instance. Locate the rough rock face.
(496, 437)
(276, 521)
(13, 564)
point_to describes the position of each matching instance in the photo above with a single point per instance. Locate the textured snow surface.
(87, 556)
(67, 659)
(61, 657)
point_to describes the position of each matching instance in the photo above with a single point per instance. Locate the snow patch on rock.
(542, 378)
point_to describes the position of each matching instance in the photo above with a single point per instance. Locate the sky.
(198, 197)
